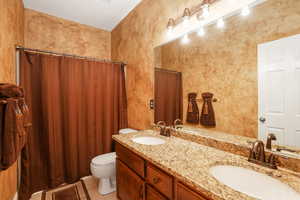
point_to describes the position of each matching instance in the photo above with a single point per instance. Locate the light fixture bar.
(199, 21)
(194, 10)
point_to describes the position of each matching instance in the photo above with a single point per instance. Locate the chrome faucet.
(271, 137)
(258, 156)
(177, 123)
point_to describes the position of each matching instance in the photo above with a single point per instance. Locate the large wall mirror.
(243, 79)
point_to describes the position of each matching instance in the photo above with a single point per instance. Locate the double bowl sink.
(247, 181)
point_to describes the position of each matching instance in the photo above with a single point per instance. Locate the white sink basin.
(148, 140)
(253, 183)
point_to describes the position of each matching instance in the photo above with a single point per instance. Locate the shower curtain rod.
(68, 55)
(166, 70)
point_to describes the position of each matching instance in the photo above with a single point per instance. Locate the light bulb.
(170, 26)
(185, 39)
(201, 22)
(186, 16)
(220, 23)
(201, 31)
(205, 10)
(186, 20)
(170, 31)
(245, 11)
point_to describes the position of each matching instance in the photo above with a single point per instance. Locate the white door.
(279, 90)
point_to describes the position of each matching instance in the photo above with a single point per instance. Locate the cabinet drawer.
(132, 160)
(160, 181)
(152, 194)
(184, 193)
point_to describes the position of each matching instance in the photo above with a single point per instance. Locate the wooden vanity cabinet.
(133, 161)
(160, 180)
(130, 185)
(138, 179)
(184, 193)
(152, 194)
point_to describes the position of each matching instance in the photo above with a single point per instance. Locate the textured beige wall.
(224, 62)
(47, 32)
(133, 41)
(228, 64)
(11, 34)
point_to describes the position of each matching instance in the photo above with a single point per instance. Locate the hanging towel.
(207, 115)
(14, 124)
(10, 91)
(193, 110)
(13, 137)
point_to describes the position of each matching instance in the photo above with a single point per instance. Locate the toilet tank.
(127, 130)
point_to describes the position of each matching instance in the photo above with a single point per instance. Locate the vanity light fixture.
(202, 13)
(185, 39)
(202, 10)
(220, 23)
(245, 11)
(170, 26)
(186, 15)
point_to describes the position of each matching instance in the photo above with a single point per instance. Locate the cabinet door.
(184, 193)
(129, 185)
(152, 194)
(160, 181)
(132, 160)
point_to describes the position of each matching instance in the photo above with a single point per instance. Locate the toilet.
(103, 167)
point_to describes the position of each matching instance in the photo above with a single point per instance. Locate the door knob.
(262, 119)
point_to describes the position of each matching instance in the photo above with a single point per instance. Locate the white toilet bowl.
(103, 167)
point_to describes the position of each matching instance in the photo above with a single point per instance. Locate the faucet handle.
(155, 127)
(270, 137)
(272, 160)
(161, 123)
(176, 123)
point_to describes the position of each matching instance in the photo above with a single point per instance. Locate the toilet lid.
(104, 159)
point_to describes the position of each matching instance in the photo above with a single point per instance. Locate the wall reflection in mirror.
(242, 79)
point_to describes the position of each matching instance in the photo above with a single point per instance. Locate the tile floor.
(92, 187)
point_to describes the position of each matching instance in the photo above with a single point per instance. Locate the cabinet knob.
(156, 180)
(262, 119)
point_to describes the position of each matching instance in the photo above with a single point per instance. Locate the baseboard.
(15, 197)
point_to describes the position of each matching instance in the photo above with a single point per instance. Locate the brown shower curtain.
(168, 96)
(76, 106)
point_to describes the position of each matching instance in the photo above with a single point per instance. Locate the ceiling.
(103, 14)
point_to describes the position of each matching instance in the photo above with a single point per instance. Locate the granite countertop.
(235, 144)
(190, 162)
(241, 141)
(217, 135)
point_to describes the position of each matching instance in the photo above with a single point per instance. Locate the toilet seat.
(104, 159)
(103, 167)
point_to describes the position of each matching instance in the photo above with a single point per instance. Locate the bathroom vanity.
(181, 170)
(138, 178)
